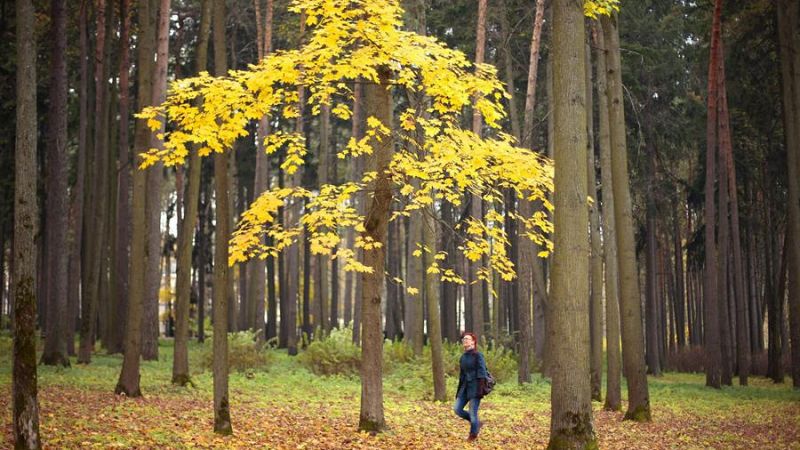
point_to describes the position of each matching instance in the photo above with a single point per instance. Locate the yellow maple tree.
(435, 159)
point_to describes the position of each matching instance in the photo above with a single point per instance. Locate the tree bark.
(429, 237)
(222, 415)
(568, 320)
(630, 307)
(790, 74)
(55, 348)
(24, 383)
(595, 261)
(476, 203)
(155, 178)
(614, 362)
(710, 298)
(186, 229)
(97, 196)
(379, 105)
(651, 284)
(76, 207)
(121, 262)
(128, 383)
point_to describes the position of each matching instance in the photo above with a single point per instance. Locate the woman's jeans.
(472, 416)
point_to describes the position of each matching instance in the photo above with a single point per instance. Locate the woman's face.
(468, 342)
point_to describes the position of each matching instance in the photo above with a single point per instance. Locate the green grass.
(286, 406)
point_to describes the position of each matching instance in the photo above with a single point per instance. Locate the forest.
(285, 223)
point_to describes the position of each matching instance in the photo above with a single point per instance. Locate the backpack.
(488, 387)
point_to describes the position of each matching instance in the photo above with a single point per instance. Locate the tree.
(568, 318)
(710, 285)
(23, 292)
(128, 382)
(222, 414)
(97, 200)
(630, 308)
(55, 352)
(614, 363)
(790, 75)
(121, 268)
(454, 160)
(186, 230)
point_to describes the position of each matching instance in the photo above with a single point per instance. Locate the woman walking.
(471, 384)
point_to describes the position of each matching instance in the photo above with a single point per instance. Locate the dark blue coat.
(473, 368)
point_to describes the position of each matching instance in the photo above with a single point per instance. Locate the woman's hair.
(472, 335)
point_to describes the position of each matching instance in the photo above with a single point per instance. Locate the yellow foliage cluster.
(435, 160)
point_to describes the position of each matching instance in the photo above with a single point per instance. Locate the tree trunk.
(98, 201)
(651, 284)
(530, 266)
(414, 326)
(680, 282)
(614, 362)
(595, 261)
(55, 348)
(476, 203)
(429, 237)
(790, 72)
(128, 383)
(630, 307)
(379, 105)
(723, 243)
(155, 178)
(711, 305)
(121, 262)
(76, 207)
(186, 229)
(568, 320)
(222, 415)
(24, 387)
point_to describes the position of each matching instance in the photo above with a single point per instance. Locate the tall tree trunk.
(680, 282)
(595, 261)
(414, 327)
(630, 307)
(128, 383)
(476, 203)
(379, 105)
(186, 229)
(532, 282)
(723, 242)
(740, 294)
(711, 304)
(568, 319)
(790, 73)
(430, 238)
(55, 348)
(123, 207)
(614, 362)
(155, 178)
(24, 388)
(292, 262)
(98, 198)
(651, 284)
(257, 266)
(222, 414)
(76, 207)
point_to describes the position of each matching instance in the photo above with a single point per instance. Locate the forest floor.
(288, 407)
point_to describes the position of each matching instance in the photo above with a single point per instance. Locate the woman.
(471, 381)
